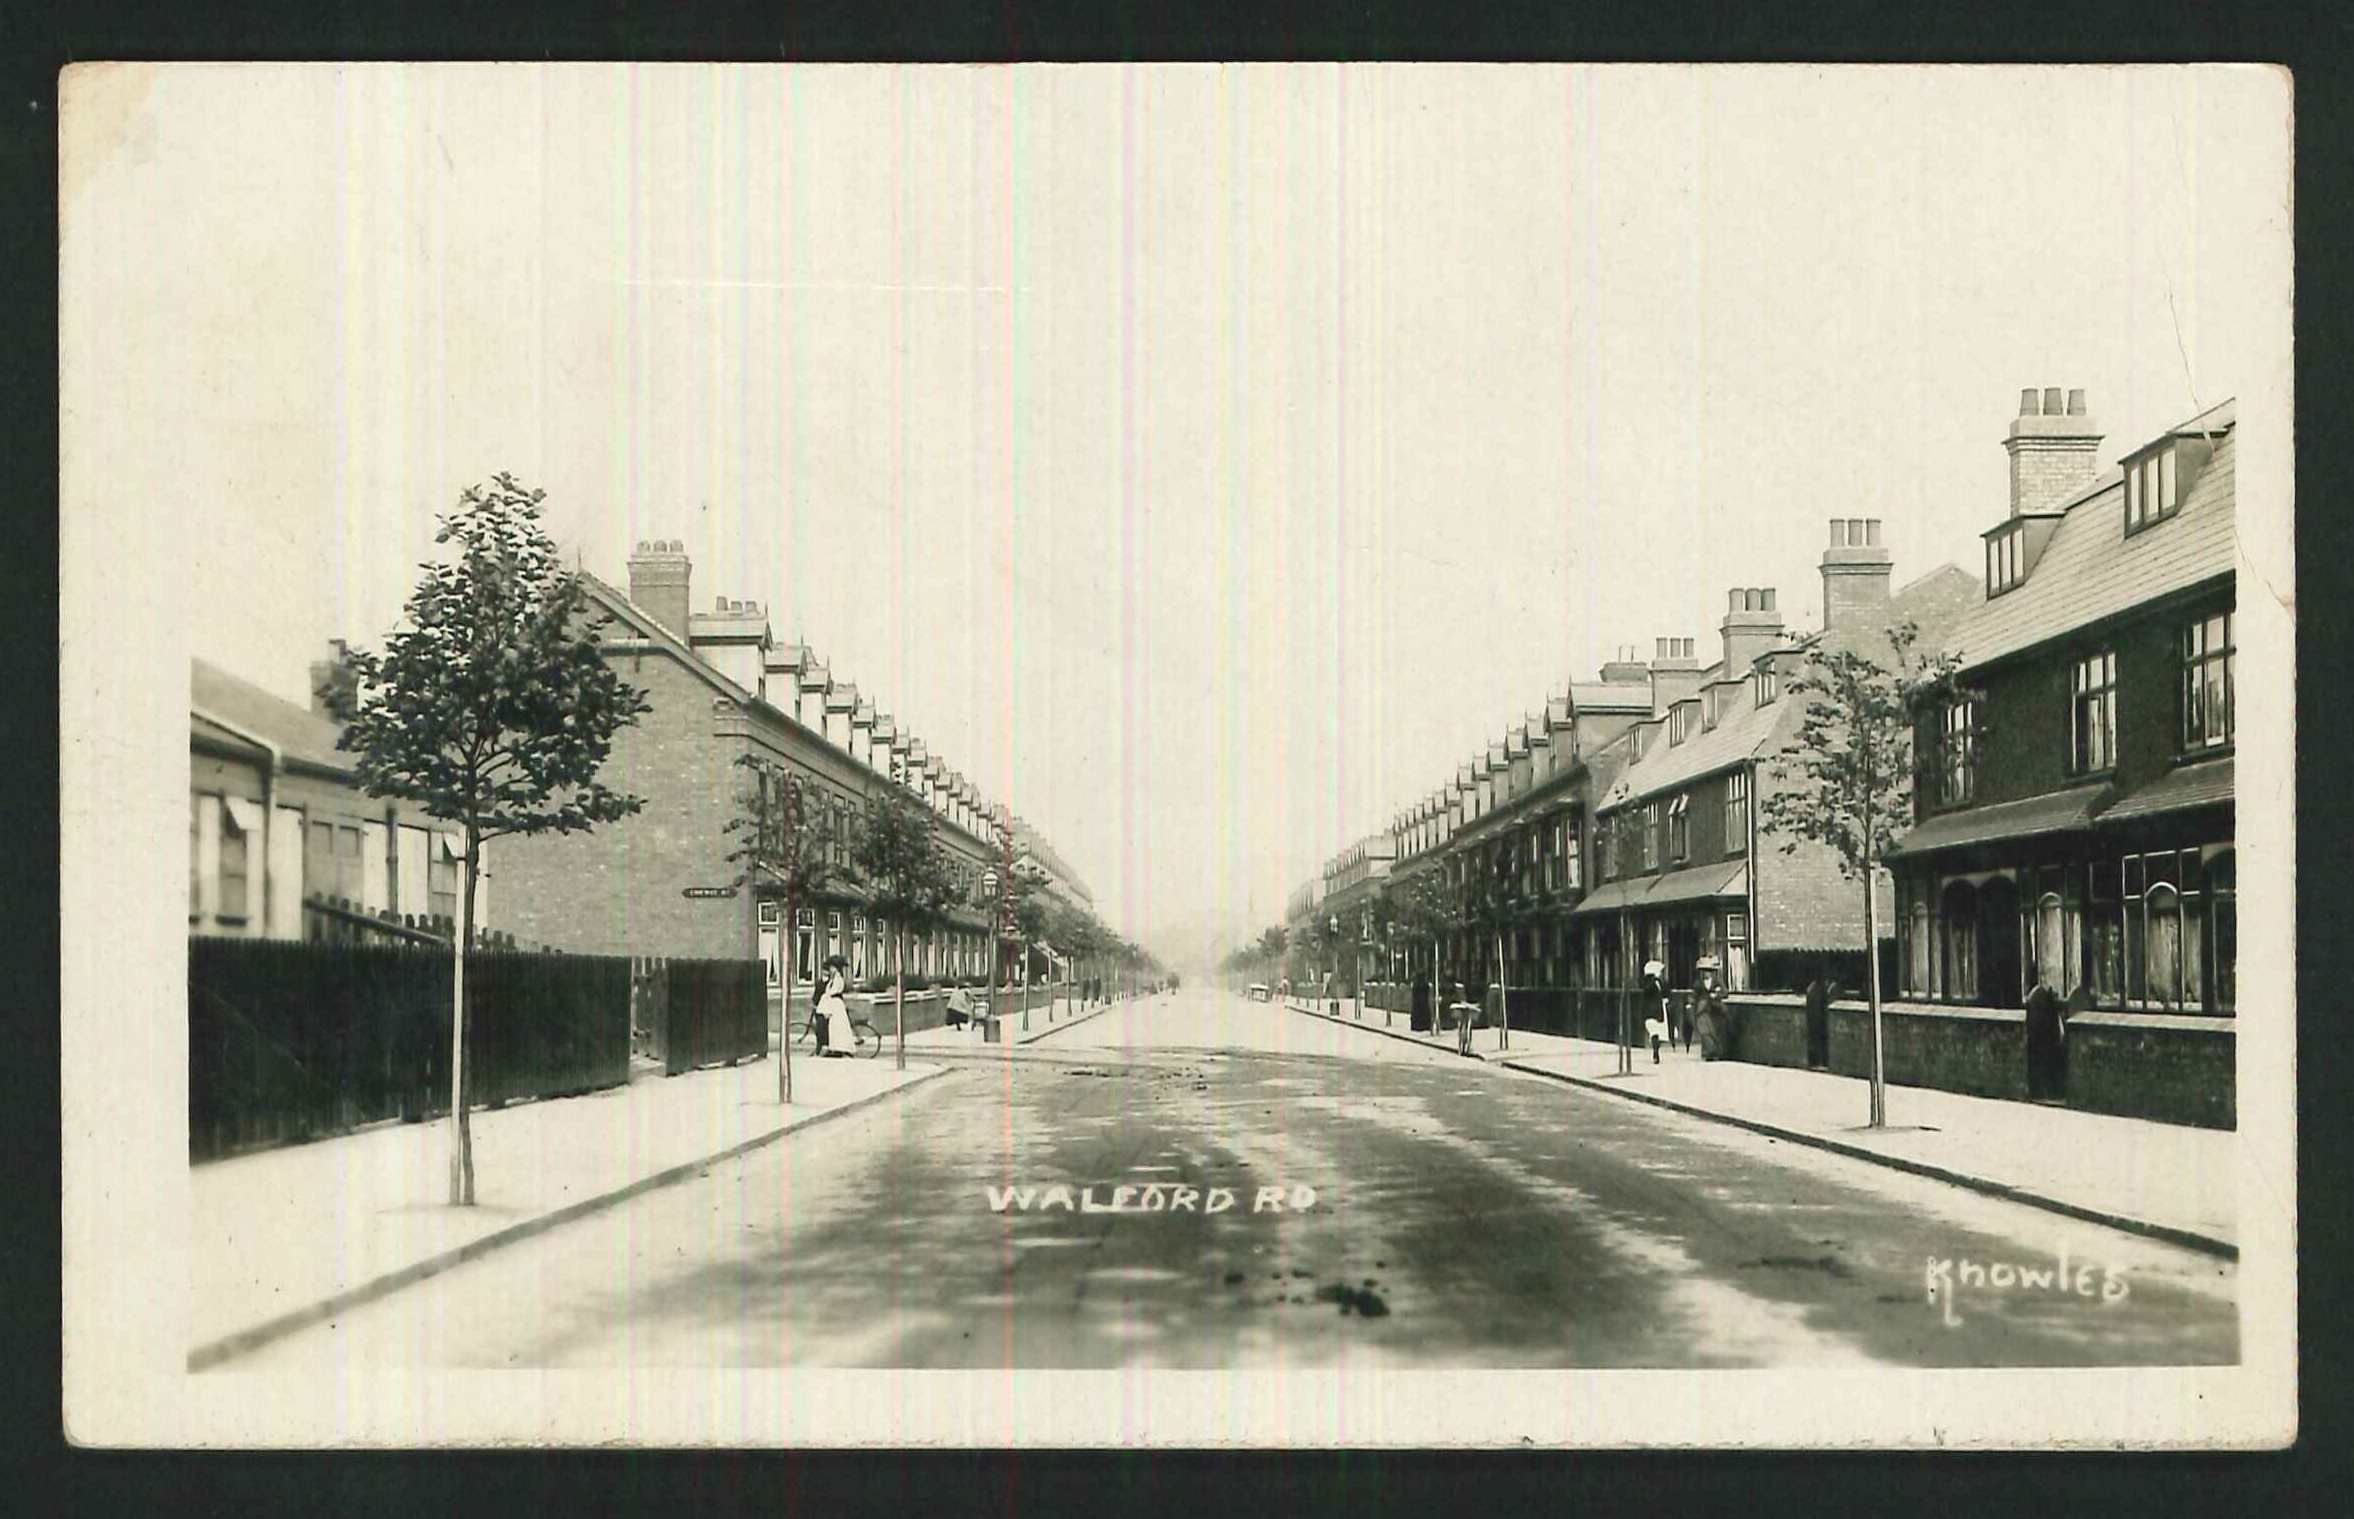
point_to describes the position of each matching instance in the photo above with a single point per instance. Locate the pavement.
(1200, 1183)
(2167, 1181)
(286, 1238)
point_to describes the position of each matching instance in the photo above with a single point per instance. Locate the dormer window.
(2150, 495)
(2006, 559)
(1679, 724)
(1769, 684)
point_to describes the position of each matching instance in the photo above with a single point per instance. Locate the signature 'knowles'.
(2085, 1279)
(1148, 1197)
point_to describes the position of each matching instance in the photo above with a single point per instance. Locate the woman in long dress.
(1708, 1009)
(833, 1008)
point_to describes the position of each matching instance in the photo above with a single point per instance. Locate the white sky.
(1202, 460)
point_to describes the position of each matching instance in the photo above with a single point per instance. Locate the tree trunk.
(1503, 996)
(461, 1134)
(899, 995)
(788, 931)
(1879, 1118)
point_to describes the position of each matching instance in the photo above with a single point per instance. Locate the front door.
(1998, 944)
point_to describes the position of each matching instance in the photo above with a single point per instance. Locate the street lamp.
(996, 934)
(1333, 939)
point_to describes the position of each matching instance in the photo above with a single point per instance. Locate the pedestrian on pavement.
(1708, 1011)
(960, 1006)
(1655, 1006)
(1418, 1018)
(1465, 1012)
(834, 1038)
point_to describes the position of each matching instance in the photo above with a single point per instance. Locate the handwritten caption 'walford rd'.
(1148, 1197)
(2084, 1279)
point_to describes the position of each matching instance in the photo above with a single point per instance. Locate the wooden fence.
(291, 1041)
(687, 1014)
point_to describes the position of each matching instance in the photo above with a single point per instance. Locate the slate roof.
(302, 735)
(1601, 696)
(1748, 731)
(2091, 571)
(2052, 812)
(2205, 784)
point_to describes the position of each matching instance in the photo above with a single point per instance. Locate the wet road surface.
(1460, 1216)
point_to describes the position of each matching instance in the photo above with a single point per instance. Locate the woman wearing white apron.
(833, 1009)
(1655, 1006)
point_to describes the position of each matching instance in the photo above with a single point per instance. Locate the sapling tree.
(781, 855)
(491, 708)
(901, 860)
(1845, 778)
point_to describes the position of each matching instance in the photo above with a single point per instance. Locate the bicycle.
(866, 1041)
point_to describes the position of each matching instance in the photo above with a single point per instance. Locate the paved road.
(1461, 1216)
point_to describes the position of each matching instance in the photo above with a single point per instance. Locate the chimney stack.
(1675, 674)
(332, 681)
(2054, 445)
(1626, 669)
(658, 583)
(1855, 576)
(1751, 627)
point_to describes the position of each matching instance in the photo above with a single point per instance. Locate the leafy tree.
(901, 859)
(781, 853)
(1421, 909)
(1033, 915)
(1845, 779)
(492, 709)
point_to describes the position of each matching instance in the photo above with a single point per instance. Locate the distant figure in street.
(833, 1010)
(960, 1006)
(1708, 1011)
(1418, 1017)
(1465, 1013)
(1655, 1006)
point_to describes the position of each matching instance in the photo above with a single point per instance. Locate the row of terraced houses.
(2073, 816)
(283, 844)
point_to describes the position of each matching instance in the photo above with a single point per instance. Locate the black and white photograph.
(1172, 755)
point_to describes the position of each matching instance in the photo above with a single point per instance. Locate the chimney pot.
(1768, 593)
(1872, 532)
(2053, 403)
(2030, 402)
(2076, 403)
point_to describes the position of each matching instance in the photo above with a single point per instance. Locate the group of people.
(1702, 1018)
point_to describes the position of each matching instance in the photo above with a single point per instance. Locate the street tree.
(781, 855)
(1421, 910)
(900, 858)
(1845, 778)
(491, 708)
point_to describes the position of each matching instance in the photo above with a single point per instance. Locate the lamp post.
(996, 933)
(1332, 938)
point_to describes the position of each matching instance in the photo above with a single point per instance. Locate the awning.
(2054, 812)
(1615, 897)
(1697, 883)
(246, 815)
(1700, 883)
(2207, 784)
(451, 848)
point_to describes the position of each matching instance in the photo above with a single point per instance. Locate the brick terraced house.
(1685, 868)
(720, 686)
(2075, 817)
(279, 831)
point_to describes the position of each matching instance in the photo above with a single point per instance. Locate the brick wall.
(1768, 1030)
(2177, 1069)
(2173, 1069)
(617, 890)
(1978, 1051)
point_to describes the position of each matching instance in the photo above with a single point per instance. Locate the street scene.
(1252, 1186)
(1196, 719)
